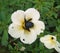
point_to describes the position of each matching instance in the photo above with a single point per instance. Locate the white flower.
(50, 42)
(26, 25)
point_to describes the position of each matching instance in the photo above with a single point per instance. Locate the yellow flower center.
(52, 40)
(26, 25)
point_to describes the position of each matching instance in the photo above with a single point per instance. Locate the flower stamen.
(28, 24)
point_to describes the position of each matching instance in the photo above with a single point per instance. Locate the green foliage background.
(50, 15)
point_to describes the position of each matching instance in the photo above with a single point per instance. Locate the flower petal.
(49, 45)
(18, 17)
(48, 42)
(32, 13)
(28, 38)
(46, 38)
(14, 32)
(39, 27)
(42, 39)
(57, 47)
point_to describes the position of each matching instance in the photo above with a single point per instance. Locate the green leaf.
(58, 28)
(4, 40)
(58, 7)
(10, 47)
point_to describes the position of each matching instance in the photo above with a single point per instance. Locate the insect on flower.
(26, 25)
(50, 42)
